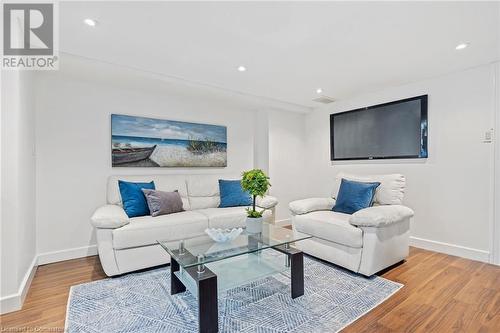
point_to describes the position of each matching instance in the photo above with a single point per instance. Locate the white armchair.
(365, 242)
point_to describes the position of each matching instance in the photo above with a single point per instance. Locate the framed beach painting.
(148, 142)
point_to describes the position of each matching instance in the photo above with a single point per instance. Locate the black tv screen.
(391, 130)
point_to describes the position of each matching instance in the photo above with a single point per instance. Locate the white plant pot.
(254, 225)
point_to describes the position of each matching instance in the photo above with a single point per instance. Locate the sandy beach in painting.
(178, 156)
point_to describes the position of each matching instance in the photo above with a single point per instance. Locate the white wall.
(286, 159)
(18, 242)
(451, 191)
(261, 141)
(495, 237)
(73, 148)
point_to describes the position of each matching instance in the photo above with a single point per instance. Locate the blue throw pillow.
(354, 196)
(134, 201)
(232, 194)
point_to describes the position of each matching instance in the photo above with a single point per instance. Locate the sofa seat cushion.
(226, 218)
(146, 230)
(330, 226)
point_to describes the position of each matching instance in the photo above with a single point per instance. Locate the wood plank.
(427, 287)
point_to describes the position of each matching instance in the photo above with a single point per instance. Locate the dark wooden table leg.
(297, 274)
(296, 260)
(208, 316)
(176, 286)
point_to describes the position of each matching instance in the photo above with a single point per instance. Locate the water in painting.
(147, 142)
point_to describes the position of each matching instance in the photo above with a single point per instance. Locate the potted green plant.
(255, 182)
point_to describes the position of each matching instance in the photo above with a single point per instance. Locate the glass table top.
(203, 249)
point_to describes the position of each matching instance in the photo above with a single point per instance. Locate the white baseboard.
(283, 222)
(15, 301)
(74, 253)
(451, 249)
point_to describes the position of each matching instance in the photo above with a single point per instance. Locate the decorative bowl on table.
(223, 235)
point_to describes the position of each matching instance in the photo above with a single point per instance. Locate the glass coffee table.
(205, 267)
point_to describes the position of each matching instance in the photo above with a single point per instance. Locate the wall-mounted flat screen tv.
(390, 130)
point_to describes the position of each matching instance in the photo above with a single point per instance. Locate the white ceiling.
(289, 48)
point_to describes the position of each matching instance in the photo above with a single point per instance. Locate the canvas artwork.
(147, 142)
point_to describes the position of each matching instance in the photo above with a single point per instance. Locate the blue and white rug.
(141, 302)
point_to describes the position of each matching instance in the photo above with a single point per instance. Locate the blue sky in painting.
(165, 129)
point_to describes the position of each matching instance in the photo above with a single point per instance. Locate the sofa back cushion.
(203, 190)
(390, 191)
(196, 191)
(167, 183)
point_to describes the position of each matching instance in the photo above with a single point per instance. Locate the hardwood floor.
(45, 304)
(441, 294)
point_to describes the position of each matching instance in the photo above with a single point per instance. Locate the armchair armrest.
(379, 216)
(266, 202)
(304, 206)
(109, 217)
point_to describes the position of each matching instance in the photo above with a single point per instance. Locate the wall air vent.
(324, 99)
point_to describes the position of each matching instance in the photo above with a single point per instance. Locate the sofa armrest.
(305, 206)
(379, 216)
(266, 202)
(109, 217)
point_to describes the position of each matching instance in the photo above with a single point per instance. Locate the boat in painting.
(129, 155)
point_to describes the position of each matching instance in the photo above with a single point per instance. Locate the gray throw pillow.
(162, 203)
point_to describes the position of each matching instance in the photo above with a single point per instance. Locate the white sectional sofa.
(129, 244)
(365, 242)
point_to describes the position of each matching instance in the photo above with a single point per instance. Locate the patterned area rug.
(141, 302)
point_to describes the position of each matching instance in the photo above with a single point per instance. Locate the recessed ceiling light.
(461, 46)
(90, 22)
(319, 91)
(242, 68)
